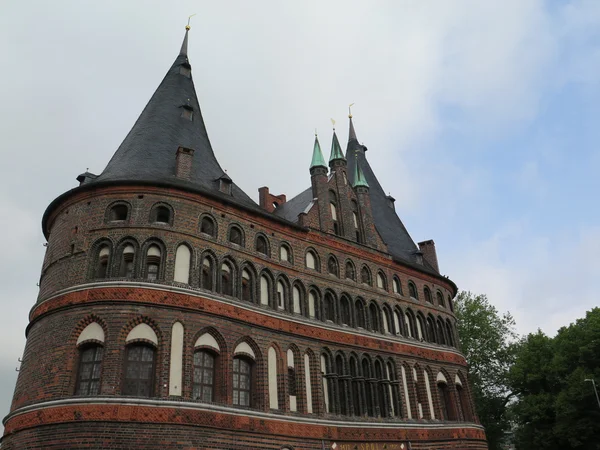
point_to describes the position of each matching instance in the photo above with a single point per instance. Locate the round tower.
(175, 312)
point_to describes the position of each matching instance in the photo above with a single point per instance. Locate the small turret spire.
(184, 45)
(336, 150)
(359, 176)
(351, 133)
(317, 156)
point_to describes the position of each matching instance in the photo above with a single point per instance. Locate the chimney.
(429, 253)
(269, 201)
(183, 163)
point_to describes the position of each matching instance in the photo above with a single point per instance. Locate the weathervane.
(333, 123)
(350, 110)
(187, 27)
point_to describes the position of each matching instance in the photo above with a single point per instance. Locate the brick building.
(175, 312)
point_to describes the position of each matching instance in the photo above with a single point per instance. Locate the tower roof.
(336, 150)
(317, 156)
(359, 179)
(171, 119)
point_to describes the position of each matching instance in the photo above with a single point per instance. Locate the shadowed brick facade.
(344, 325)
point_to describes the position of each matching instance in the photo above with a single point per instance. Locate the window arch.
(90, 365)
(368, 373)
(340, 368)
(235, 235)
(393, 389)
(412, 290)
(329, 307)
(297, 299)
(312, 260)
(126, 257)
(285, 253)
(118, 212)
(207, 273)
(265, 289)
(359, 307)
(204, 375)
(292, 380)
(365, 276)
(450, 333)
(332, 266)
(334, 212)
(421, 327)
(346, 311)
(388, 321)
(431, 336)
(450, 304)
(153, 263)
(226, 277)
(208, 226)
(427, 294)
(262, 245)
(441, 337)
(101, 264)
(440, 299)
(381, 281)
(374, 324)
(282, 297)
(445, 397)
(356, 388)
(350, 271)
(356, 221)
(398, 321)
(411, 324)
(313, 304)
(397, 285)
(139, 370)
(161, 213)
(247, 286)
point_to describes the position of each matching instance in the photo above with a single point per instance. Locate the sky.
(480, 119)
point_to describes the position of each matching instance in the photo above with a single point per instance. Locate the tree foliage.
(488, 342)
(556, 408)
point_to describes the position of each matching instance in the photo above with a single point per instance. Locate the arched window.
(242, 381)
(388, 323)
(346, 311)
(265, 286)
(381, 284)
(431, 337)
(204, 376)
(341, 388)
(368, 374)
(360, 314)
(247, 288)
(153, 262)
(397, 286)
(329, 307)
(285, 253)
(463, 399)
(139, 370)
(427, 293)
(365, 276)
(393, 389)
(326, 380)
(261, 245)
(291, 381)
(440, 299)
(272, 378)
(373, 317)
(412, 290)
(297, 299)
(308, 383)
(207, 226)
(441, 338)
(312, 304)
(127, 267)
(281, 297)
(450, 304)
(350, 272)
(411, 324)
(102, 265)
(207, 274)
(226, 279)
(356, 388)
(334, 214)
(160, 214)
(118, 212)
(88, 373)
(398, 321)
(421, 330)
(311, 260)
(332, 267)
(449, 333)
(235, 235)
(356, 221)
(446, 407)
(182, 264)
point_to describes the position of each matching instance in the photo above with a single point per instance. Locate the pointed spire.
(359, 176)
(336, 150)
(351, 133)
(184, 44)
(317, 157)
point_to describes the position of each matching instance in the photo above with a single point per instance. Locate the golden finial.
(187, 27)
(350, 110)
(315, 132)
(333, 123)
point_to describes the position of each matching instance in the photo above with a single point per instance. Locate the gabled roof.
(147, 154)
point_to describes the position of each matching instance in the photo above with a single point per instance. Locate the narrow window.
(332, 266)
(450, 304)
(397, 286)
(126, 270)
(412, 290)
(242, 379)
(207, 226)
(261, 245)
(284, 253)
(139, 370)
(346, 314)
(350, 273)
(207, 274)
(280, 295)
(365, 276)
(446, 409)
(153, 258)
(360, 314)
(235, 235)
(204, 376)
(427, 293)
(90, 363)
(388, 326)
(182, 264)
(381, 284)
(226, 280)
(246, 286)
(119, 212)
(464, 403)
(373, 317)
(311, 260)
(102, 269)
(440, 299)
(328, 308)
(296, 299)
(449, 333)
(264, 290)
(312, 301)
(292, 381)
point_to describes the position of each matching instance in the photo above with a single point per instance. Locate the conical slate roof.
(148, 152)
(336, 150)
(317, 156)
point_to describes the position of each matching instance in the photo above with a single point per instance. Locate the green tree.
(488, 342)
(556, 408)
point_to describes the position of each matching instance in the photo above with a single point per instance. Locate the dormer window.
(225, 184)
(186, 70)
(187, 112)
(161, 214)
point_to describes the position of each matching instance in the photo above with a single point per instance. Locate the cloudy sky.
(481, 119)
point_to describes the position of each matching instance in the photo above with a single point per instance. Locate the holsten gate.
(175, 312)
